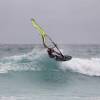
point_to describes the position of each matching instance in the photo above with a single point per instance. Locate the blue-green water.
(27, 73)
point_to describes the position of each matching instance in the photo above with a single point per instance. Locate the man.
(57, 56)
(53, 54)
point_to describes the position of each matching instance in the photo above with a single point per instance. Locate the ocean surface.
(27, 73)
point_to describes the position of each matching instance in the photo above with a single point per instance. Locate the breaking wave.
(82, 65)
(24, 62)
(38, 60)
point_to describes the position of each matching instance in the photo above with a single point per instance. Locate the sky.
(66, 21)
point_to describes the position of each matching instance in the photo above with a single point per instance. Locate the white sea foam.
(51, 97)
(24, 62)
(82, 65)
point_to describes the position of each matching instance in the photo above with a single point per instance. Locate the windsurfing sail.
(41, 31)
(47, 41)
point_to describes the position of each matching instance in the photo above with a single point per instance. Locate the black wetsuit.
(50, 53)
(54, 54)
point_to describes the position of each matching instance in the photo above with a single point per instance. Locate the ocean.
(27, 73)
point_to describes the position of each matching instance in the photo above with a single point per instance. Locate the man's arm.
(57, 53)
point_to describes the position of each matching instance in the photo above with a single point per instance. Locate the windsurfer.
(57, 56)
(54, 51)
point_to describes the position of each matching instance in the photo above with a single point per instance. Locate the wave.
(24, 62)
(82, 65)
(31, 97)
(38, 60)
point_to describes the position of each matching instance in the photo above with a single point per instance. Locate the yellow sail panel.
(42, 32)
(47, 42)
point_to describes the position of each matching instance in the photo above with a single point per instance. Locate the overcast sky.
(66, 21)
